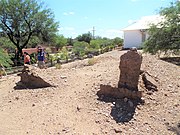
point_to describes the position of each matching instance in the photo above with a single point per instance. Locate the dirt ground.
(73, 107)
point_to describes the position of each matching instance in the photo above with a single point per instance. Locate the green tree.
(95, 44)
(22, 19)
(80, 47)
(70, 41)
(60, 41)
(118, 41)
(5, 43)
(64, 54)
(33, 42)
(4, 58)
(87, 37)
(164, 37)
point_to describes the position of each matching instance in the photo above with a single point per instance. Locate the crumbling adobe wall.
(30, 78)
(114, 92)
(130, 64)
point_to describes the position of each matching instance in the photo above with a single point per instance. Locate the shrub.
(79, 48)
(92, 61)
(33, 58)
(58, 66)
(5, 59)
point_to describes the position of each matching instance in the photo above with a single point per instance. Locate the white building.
(136, 33)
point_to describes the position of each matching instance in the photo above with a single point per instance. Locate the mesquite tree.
(20, 20)
(165, 37)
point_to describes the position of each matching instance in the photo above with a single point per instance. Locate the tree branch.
(12, 40)
(10, 35)
(29, 36)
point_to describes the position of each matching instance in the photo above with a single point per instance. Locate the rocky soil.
(73, 107)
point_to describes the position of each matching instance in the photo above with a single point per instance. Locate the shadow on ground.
(21, 86)
(173, 60)
(123, 109)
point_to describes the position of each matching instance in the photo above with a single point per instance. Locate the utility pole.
(93, 32)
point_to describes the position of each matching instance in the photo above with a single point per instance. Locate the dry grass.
(92, 61)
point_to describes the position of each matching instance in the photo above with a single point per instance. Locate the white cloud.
(109, 33)
(65, 13)
(68, 31)
(85, 17)
(71, 13)
(68, 13)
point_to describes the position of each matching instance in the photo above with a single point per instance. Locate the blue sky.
(77, 17)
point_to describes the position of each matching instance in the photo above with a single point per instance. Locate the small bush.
(92, 61)
(2, 72)
(58, 66)
(33, 58)
(5, 59)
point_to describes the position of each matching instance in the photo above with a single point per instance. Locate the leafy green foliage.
(70, 41)
(63, 54)
(118, 41)
(22, 19)
(6, 43)
(58, 66)
(95, 44)
(87, 37)
(79, 48)
(60, 41)
(92, 61)
(5, 59)
(165, 37)
(33, 42)
(33, 58)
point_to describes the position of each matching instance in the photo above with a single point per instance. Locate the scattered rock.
(78, 108)
(149, 82)
(97, 121)
(125, 99)
(117, 131)
(17, 98)
(63, 77)
(130, 103)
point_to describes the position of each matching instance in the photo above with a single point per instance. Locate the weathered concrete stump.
(129, 66)
(30, 78)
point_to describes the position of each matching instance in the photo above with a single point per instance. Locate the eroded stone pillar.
(130, 64)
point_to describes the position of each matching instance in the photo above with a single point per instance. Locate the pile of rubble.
(32, 77)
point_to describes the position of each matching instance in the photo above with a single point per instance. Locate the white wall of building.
(133, 38)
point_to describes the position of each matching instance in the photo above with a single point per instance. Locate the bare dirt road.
(73, 108)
